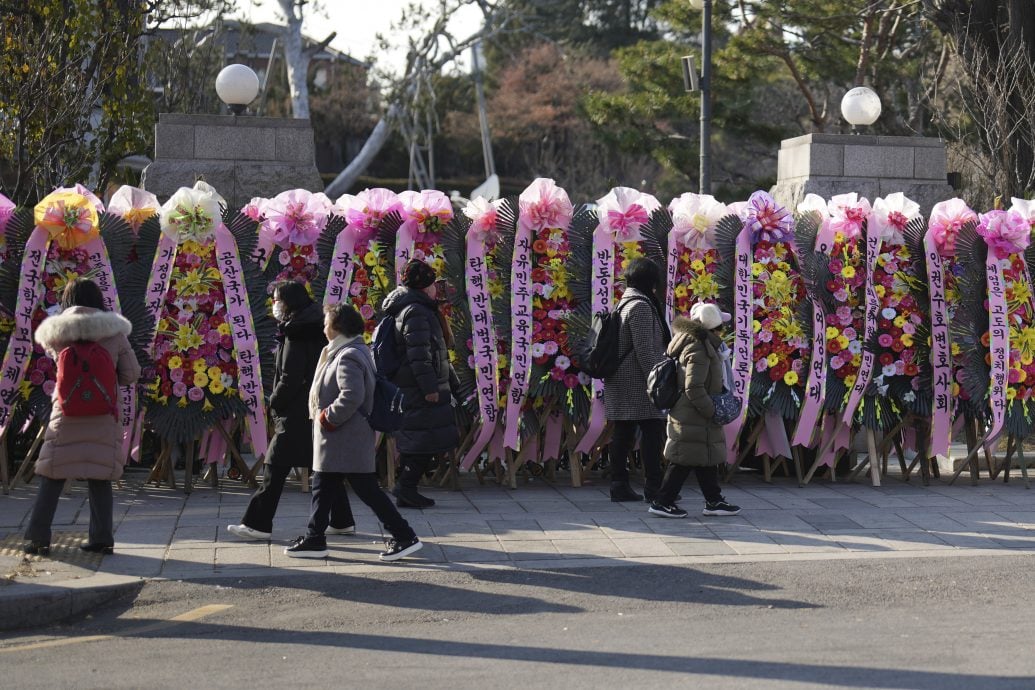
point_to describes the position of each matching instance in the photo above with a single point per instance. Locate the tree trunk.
(358, 165)
(296, 58)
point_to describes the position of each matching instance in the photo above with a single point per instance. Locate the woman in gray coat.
(341, 398)
(696, 443)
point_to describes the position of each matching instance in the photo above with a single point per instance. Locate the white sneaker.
(246, 532)
(351, 529)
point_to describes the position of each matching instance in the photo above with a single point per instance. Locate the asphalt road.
(932, 623)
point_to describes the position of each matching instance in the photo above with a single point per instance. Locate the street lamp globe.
(237, 86)
(860, 106)
(696, 5)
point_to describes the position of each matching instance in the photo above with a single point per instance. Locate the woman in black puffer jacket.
(300, 339)
(425, 378)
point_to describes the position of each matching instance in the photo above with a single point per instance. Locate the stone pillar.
(873, 166)
(241, 156)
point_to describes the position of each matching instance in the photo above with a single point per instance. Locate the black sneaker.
(308, 547)
(671, 511)
(36, 548)
(409, 498)
(720, 508)
(106, 549)
(394, 550)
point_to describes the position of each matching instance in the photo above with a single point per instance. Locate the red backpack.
(86, 382)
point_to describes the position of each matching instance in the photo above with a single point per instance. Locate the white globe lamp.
(237, 86)
(860, 107)
(696, 5)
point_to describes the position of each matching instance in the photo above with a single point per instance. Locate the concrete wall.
(241, 156)
(829, 164)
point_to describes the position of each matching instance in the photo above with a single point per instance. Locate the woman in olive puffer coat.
(695, 441)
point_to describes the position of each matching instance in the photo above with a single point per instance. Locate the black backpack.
(663, 384)
(386, 412)
(383, 345)
(599, 357)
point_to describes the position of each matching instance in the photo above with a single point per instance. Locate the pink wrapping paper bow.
(484, 215)
(254, 208)
(365, 211)
(420, 207)
(1025, 208)
(848, 214)
(295, 217)
(1005, 232)
(6, 211)
(891, 214)
(545, 205)
(83, 191)
(622, 213)
(947, 219)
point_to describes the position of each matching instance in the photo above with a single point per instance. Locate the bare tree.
(297, 55)
(994, 41)
(411, 97)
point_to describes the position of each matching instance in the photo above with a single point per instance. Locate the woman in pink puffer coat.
(82, 447)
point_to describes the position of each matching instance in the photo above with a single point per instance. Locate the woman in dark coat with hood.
(300, 339)
(425, 378)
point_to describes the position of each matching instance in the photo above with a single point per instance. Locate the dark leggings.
(101, 509)
(707, 479)
(652, 444)
(263, 505)
(327, 490)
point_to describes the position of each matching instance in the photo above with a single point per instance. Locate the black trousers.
(675, 475)
(101, 508)
(412, 467)
(263, 504)
(652, 445)
(327, 490)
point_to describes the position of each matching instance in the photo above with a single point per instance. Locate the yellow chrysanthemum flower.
(199, 366)
(224, 329)
(848, 272)
(214, 373)
(772, 359)
(907, 340)
(832, 332)
(791, 378)
(216, 386)
(369, 259)
(175, 362)
(200, 379)
(680, 291)
(697, 265)
(850, 380)
(879, 289)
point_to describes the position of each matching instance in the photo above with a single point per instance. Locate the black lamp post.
(705, 6)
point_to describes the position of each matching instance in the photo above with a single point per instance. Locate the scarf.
(327, 355)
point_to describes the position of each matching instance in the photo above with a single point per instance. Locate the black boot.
(405, 491)
(621, 492)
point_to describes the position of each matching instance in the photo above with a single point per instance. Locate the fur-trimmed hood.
(80, 323)
(688, 333)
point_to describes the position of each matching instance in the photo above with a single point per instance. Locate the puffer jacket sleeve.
(647, 338)
(350, 374)
(698, 365)
(127, 368)
(416, 333)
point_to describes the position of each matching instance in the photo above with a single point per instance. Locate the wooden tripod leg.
(971, 458)
(819, 458)
(28, 466)
(247, 473)
(796, 456)
(1023, 463)
(742, 454)
(1011, 447)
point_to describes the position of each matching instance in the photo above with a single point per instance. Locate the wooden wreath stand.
(976, 445)
(163, 470)
(769, 465)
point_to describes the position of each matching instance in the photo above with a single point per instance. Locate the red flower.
(886, 358)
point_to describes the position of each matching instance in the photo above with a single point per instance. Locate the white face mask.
(278, 312)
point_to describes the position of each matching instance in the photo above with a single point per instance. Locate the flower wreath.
(692, 255)
(292, 223)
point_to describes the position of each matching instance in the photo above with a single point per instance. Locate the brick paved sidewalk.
(163, 533)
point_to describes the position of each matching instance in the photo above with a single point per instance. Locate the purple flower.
(195, 394)
(179, 389)
(885, 340)
(176, 375)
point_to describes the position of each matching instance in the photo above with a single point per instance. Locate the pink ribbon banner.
(999, 343)
(158, 282)
(521, 332)
(941, 351)
(744, 336)
(19, 347)
(816, 386)
(865, 373)
(483, 337)
(239, 316)
(339, 280)
(603, 297)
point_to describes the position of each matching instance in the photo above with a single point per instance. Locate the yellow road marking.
(188, 617)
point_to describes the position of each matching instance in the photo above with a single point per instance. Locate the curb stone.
(34, 605)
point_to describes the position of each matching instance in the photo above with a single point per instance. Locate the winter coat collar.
(307, 324)
(688, 334)
(81, 324)
(402, 297)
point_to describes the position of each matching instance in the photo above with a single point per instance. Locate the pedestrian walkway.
(163, 533)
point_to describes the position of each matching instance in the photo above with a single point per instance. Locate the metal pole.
(483, 118)
(706, 98)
